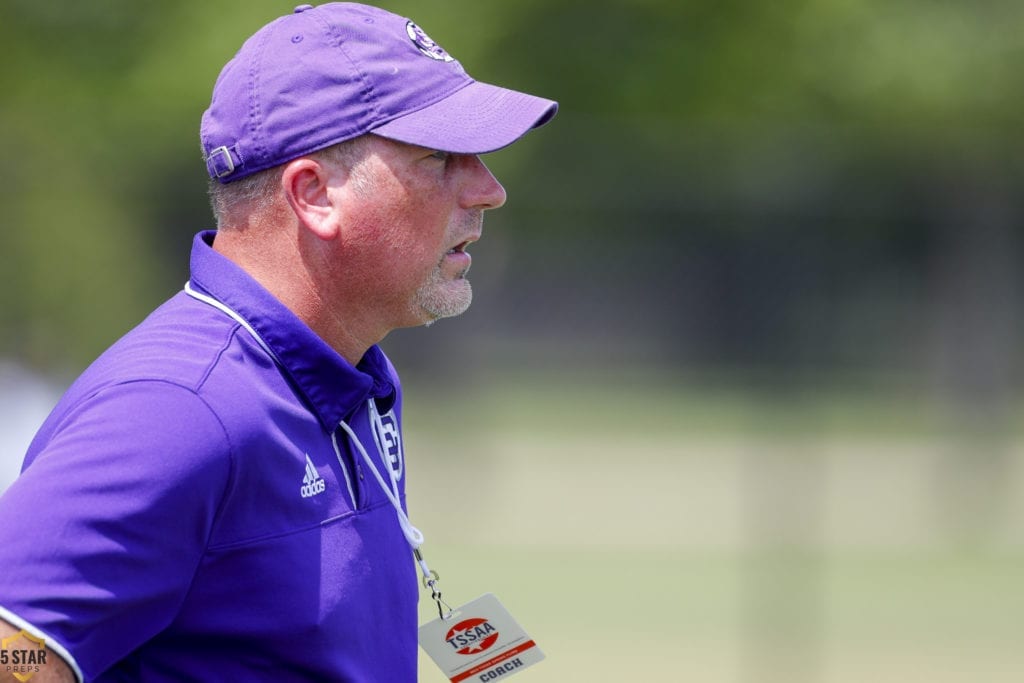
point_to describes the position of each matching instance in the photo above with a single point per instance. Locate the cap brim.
(476, 119)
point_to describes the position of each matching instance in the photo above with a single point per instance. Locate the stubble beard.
(443, 298)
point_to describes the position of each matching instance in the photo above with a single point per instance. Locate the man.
(220, 496)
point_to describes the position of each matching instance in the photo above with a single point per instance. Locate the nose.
(481, 189)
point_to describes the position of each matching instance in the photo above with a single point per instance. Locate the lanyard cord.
(412, 535)
(224, 308)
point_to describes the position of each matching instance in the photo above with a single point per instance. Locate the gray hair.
(255, 194)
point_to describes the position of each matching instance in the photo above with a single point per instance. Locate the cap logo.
(425, 45)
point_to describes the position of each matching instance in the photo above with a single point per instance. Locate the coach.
(220, 496)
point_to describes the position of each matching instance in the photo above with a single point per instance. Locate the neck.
(291, 274)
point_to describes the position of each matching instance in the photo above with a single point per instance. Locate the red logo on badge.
(471, 636)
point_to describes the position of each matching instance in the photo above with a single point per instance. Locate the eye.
(440, 155)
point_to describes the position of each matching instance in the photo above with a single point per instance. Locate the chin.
(447, 302)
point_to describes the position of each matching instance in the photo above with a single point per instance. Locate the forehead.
(388, 147)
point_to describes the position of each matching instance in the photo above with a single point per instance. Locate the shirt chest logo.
(389, 441)
(312, 483)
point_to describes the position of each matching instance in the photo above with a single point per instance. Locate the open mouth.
(459, 248)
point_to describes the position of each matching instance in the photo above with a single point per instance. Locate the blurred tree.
(756, 176)
(100, 107)
(753, 184)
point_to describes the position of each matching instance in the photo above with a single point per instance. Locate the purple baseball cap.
(326, 74)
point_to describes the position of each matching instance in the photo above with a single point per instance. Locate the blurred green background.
(739, 396)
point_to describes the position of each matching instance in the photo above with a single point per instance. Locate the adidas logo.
(312, 483)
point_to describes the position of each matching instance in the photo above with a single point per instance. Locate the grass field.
(640, 532)
(833, 541)
(650, 615)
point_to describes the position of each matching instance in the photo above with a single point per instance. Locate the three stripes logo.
(312, 484)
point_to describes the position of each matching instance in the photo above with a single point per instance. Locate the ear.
(305, 183)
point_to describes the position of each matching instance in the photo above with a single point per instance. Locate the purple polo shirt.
(191, 510)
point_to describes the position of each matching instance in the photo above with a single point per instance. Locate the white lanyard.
(412, 535)
(227, 310)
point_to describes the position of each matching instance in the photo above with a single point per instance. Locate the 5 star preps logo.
(470, 636)
(22, 655)
(425, 45)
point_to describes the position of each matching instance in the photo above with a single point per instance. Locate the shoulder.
(147, 388)
(153, 429)
(179, 342)
(181, 357)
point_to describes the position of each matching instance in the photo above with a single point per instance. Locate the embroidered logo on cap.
(425, 45)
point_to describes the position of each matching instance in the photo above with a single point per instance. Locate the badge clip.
(430, 580)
